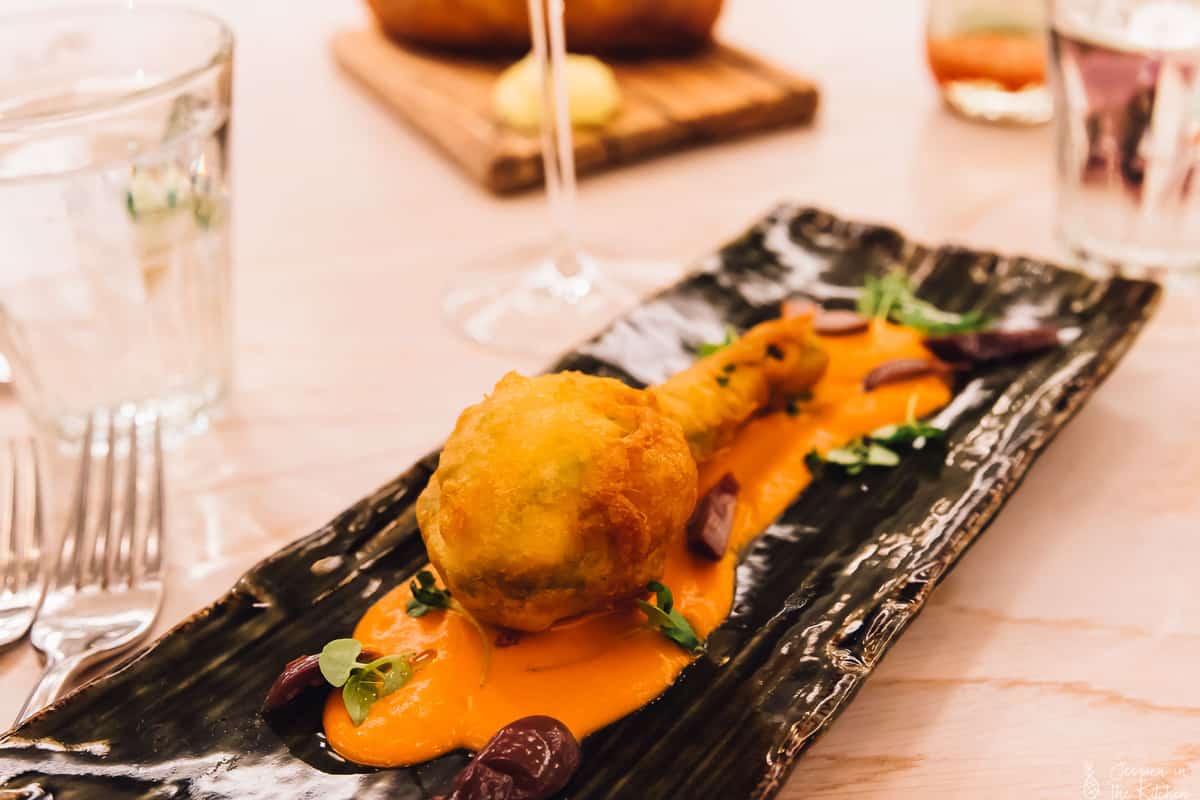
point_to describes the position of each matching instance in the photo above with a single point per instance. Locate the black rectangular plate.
(820, 597)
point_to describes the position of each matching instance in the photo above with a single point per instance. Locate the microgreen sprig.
(666, 618)
(893, 297)
(363, 684)
(708, 348)
(426, 597)
(877, 448)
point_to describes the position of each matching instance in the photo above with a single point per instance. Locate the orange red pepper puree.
(594, 670)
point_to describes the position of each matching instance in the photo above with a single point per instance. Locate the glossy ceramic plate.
(820, 597)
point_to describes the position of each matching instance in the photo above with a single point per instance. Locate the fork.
(22, 579)
(105, 590)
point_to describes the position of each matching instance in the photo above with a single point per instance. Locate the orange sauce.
(594, 670)
(1012, 59)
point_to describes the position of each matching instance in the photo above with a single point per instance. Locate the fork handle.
(56, 675)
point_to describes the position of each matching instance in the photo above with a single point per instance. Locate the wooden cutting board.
(668, 104)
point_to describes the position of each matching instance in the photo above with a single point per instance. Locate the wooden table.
(1065, 644)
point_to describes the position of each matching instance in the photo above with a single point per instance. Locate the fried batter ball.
(562, 494)
(554, 496)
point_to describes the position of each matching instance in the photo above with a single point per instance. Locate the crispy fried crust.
(562, 494)
(765, 367)
(556, 495)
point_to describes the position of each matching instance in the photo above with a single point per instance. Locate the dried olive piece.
(712, 521)
(902, 369)
(993, 345)
(529, 759)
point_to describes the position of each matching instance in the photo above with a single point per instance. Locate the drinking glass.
(989, 58)
(1126, 77)
(114, 213)
(538, 300)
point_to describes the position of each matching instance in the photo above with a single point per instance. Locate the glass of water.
(114, 213)
(1126, 75)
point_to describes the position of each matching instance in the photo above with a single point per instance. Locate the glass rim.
(220, 54)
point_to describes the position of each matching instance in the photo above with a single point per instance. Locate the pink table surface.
(1066, 642)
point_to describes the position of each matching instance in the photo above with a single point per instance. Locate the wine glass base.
(519, 303)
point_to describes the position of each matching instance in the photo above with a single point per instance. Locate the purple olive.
(902, 369)
(299, 675)
(530, 759)
(975, 348)
(712, 521)
(840, 323)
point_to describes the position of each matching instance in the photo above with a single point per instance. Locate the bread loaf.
(502, 26)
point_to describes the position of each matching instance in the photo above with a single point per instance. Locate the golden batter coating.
(556, 495)
(562, 494)
(769, 364)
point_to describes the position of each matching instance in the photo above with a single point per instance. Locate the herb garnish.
(669, 622)
(426, 597)
(878, 448)
(860, 454)
(363, 684)
(708, 348)
(892, 297)
(722, 380)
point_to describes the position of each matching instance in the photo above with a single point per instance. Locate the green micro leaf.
(893, 297)
(359, 694)
(363, 684)
(338, 659)
(906, 434)
(847, 456)
(880, 456)
(658, 618)
(396, 672)
(426, 596)
(667, 619)
(662, 595)
(681, 633)
(708, 348)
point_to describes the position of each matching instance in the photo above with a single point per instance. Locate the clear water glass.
(1126, 76)
(114, 213)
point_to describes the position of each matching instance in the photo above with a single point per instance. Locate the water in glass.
(114, 242)
(1127, 82)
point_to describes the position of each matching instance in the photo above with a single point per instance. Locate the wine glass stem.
(558, 149)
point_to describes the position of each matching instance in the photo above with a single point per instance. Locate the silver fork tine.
(97, 568)
(66, 570)
(152, 555)
(79, 627)
(13, 550)
(120, 567)
(37, 544)
(21, 574)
